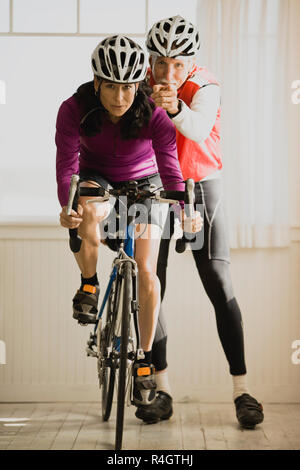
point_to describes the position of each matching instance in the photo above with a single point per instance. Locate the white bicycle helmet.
(119, 59)
(173, 37)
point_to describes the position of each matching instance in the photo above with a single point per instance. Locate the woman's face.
(116, 97)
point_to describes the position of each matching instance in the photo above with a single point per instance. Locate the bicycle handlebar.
(101, 194)
(131, 190)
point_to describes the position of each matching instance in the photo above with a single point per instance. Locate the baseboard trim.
(91, 393)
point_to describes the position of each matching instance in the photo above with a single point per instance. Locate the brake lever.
(74, 240)
(189, 206)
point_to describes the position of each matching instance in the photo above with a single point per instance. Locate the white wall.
(45, 348)
(294, 117)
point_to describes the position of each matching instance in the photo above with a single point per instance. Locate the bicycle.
(115, 341)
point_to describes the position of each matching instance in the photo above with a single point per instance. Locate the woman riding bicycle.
(110, 132)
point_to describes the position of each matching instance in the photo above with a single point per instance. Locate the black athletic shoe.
(248, 411)
(159, 410)
(85, 304)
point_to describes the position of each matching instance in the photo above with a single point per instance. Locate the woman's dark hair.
(93, 113)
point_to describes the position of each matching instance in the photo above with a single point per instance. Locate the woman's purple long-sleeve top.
(114, 158)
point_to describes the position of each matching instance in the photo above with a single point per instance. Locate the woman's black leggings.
(213, 262)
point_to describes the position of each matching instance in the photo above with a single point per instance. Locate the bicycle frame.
(125, 253)
(129, 252)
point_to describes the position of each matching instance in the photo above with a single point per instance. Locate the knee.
(89, 228)
(147, 279)
(94, 241)
(89, 212)
(218, 278)
(218, 283)
(90, 237)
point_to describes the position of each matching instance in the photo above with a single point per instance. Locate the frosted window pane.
(261, 17)
(159, 9)
(272, 16)
(253, 17)
(119, 16)
(2, 92)
(43, 16)
(27, 120)
(4, 16)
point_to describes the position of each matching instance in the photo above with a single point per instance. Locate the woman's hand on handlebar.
(71, 221)
(191, 224)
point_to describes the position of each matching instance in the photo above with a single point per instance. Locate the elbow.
(198, 137)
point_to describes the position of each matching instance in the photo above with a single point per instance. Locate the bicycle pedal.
(84, 320)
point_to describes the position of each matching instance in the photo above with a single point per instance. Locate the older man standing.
(191, 97)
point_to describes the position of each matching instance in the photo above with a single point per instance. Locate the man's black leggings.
(213, 262)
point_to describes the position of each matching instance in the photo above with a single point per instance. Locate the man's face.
(168, 70)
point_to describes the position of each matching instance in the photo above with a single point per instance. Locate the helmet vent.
(132, 45)
(105, 70)
(126, 76)
(116, 73)
(112, 56)
(132, 59)
(187, 50)
(136, 75)
(180, 29)
(123, 58)
(103, 63)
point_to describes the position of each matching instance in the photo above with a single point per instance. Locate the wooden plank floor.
(65, 426)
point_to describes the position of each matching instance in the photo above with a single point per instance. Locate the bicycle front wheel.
(107, 353)
(124, 363)
(108, 391)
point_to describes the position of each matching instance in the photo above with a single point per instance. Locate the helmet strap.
(97, 93)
